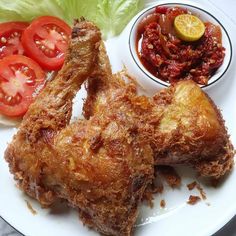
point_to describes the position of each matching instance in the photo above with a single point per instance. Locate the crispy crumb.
(158, 189)
(148, 196)
(170, 175)
(192, 185)
(162, 203)
(31, 208)
(195, 184)
(193, 199)
(201, 191)
(152, 189)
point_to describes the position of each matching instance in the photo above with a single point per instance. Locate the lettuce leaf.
(110, 15)
(114, 15)
(27, 10)
(7, 12)
(7, 15)
(76, 8)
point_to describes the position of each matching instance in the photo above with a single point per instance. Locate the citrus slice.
(188, 27)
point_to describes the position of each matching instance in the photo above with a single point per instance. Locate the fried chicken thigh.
(101, 166)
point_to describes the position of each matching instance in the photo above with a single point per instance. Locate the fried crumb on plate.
(193, 199)
(152, 189)
(148, 197)
(170, 175)
(162, 203)
(196, 185)
(192, 185)
(201, 191)
(34, 212)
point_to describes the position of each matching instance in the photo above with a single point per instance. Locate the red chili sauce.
(171, 59)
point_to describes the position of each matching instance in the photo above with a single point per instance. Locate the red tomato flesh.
(10, 38)
(20, 78)
(46, 41)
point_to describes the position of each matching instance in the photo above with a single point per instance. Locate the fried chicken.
(191, 131)
(101, 166)
(181, 122)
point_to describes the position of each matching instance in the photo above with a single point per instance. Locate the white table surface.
(229, 9)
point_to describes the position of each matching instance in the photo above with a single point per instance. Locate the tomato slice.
(20, 78)
(46, 41)
(10, 38)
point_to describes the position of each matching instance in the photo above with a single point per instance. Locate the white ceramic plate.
(178, 218)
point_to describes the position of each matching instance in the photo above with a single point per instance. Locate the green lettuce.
(7, 12)
(76, 8)
(113, 16)
(7, 15)
(30, 9)
(110, 15)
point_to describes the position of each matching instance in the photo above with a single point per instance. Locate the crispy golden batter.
(191, 131)
(101, 166)
(182, 123)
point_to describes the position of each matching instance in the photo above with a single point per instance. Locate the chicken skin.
(191, 131)
(182, 123)
(101, 167)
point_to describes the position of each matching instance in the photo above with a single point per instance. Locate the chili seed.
(43, 47)
(8, 98)
(29, 82)
(17, 98)
(3, 40)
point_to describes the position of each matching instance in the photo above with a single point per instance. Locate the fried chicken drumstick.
(100, 166)
(103, 165)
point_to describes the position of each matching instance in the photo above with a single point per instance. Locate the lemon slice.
(188, 27)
